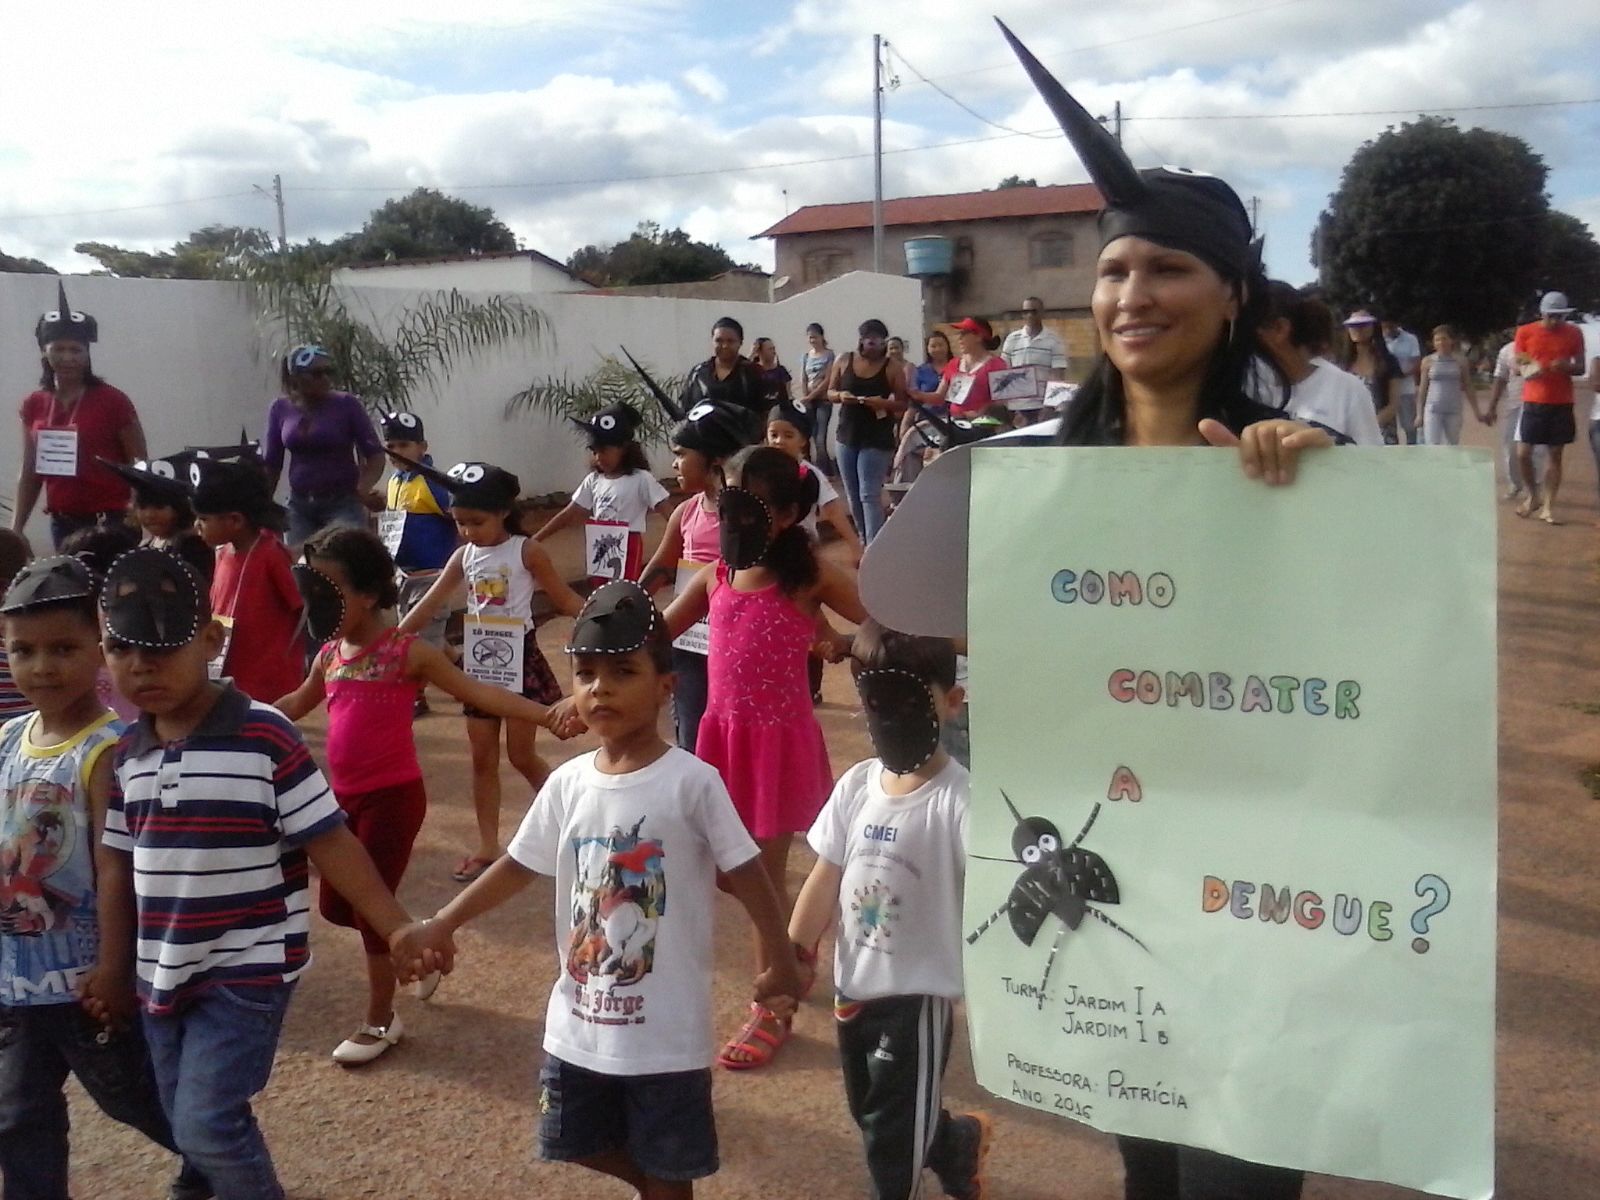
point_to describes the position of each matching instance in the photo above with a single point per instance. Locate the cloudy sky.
(135, 123)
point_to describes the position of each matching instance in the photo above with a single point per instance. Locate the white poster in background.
(492, 650)
(956, 395)
(1057, 393)
(1017, 387)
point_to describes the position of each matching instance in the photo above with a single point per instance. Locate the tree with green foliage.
(1015, 181)
(25, 266)
(613, 381)
(652, 255)
(1432, 223)
(214, 252)
(1571, 262)
(426, 224)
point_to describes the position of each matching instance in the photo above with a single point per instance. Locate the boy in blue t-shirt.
(215, 809)
(415, 523)
(55, 780)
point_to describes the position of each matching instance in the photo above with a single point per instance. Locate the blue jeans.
(210, 1058)
(689, 693)
(309, 514)
(864, 473)
(821, 418)
(39, 1045)
(64, 525)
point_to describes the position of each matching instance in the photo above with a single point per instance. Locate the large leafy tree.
(1571, 261)
(24, 266)
(1432, 223)
(214, 252)
(652, 255)
(426, 224)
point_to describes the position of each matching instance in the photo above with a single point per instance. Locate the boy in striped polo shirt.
(215, 810)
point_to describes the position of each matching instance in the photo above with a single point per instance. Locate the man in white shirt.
(1035, 346)
(1408, 352)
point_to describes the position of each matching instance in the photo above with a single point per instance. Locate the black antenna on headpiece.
(62, 306)
(1101, 154)
(656, 390)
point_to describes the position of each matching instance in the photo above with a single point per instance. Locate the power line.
(96, 212)
(961, 104)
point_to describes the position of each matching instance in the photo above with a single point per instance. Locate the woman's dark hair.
(178, 504)
(1310, 320)
(47, 378)
(872, 327)
(782, 483)
(1097, 415)
(633, 457)
(191, 547)
(816, 329)
(930, 659)
(14, 555)
(365, 561)
(943, 337)
(729, 323)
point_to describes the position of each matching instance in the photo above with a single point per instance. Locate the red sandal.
(756, 1039)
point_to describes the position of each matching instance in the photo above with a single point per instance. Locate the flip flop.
(755, 1040)
(471, 867)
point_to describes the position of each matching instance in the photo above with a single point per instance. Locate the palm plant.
(298, 303)
(613, 381)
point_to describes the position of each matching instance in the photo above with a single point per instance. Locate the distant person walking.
(1407, 352)
(1549, 352)
(1369, 359)
(1507, 387)
(871, 393)
(1446, 380)
(335, 457)
(815, 365)
(68, 425)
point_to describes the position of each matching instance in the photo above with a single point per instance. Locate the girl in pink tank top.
(764, 602)
(369, 673)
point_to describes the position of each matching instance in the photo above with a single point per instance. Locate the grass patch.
(1590, 778)
(1589, 707)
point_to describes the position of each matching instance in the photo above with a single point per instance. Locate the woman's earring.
(1230, 331)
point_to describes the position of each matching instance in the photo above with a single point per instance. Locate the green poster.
(1232, 881)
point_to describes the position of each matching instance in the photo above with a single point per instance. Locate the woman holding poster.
(1178, 295)
(965, 387)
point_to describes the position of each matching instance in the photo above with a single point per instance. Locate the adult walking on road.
(72, 422)
(1407, 352)
(1549, 352)
(335, 457)
(1446, 381)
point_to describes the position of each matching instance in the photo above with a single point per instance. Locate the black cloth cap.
(472, 484)
(156, 480)
(224, 486)
(47, 581)
(1171, 206)
(402, 427)
(613, 425)
(618, 618)
(245, 449)
(800, 418)
(62, 324)
(714, 429)
(153, 599)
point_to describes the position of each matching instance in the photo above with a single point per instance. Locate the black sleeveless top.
(860, 427)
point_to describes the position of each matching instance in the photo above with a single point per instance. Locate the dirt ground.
(450, 1112)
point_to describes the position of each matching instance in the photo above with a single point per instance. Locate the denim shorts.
(663, 1123)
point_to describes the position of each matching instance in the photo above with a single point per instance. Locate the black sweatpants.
(1162, 1171)
(894, 1052)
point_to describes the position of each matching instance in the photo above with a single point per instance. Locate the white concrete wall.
(186, 353)
(190, 354)
(468, 275)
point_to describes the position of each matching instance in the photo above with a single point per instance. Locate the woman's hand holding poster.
(1232, 876)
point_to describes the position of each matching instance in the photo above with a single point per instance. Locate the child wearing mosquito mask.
(892, 839)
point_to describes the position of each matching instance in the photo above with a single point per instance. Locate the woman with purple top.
(335, 455)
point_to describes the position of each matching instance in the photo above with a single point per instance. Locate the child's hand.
(779, 987)
(833, 647)
(108, 997)
(564, 720)
(421, 948)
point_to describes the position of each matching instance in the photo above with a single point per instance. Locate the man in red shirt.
(1548, 353)
(73, 420)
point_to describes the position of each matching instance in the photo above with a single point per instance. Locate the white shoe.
(426, 986)
(352, 1053)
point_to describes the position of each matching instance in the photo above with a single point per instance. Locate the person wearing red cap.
(965, 387)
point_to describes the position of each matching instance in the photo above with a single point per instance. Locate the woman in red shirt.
(973, 366)
(73, 419)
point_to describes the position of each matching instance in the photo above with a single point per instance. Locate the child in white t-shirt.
(634, 834)
(891, 857)
(614, 499)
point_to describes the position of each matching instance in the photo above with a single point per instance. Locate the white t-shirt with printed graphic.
(635, 859)
(904, 861)
(627, 498)
(826, 495)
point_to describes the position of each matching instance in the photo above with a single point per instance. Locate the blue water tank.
(929, 256)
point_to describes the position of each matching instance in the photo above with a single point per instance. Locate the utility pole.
(1255, 215)
(276, 196)
(1116, 121)
(877, 152)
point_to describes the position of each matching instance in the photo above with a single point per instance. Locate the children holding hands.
(635, 834)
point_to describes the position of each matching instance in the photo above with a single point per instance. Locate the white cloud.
(703, 83)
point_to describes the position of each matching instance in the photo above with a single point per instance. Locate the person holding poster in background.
(73, 422)
(1042, 349)
(965, 386)
(502, 569)
(1178, 296)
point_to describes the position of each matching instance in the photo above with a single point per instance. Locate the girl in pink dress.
(370, 674)
(764, 601)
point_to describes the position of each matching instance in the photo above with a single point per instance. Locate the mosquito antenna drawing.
(1061, 881)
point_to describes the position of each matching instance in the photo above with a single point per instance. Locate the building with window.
(1006, 245)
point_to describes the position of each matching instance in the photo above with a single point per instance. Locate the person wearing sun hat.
(1549, 352)
(1178, 294)
(71, 427)
(1366, 355)
(334, 456)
